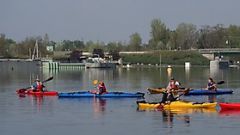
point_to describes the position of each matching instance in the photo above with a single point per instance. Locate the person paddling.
(171, 93)
(102, 88)
(37, 86)
(211, 84)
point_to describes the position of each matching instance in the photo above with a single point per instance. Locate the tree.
(2, 45)
(75, 56)
(159, 33)
(7, 47)
(98, 52)
(212, 37)
(78, 44)
(135, 42)
(186, 36)
(46, 40)
(172, 42)
(233, 36)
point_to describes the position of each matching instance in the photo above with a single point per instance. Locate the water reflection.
(212, 98)
(138, 78)
(169, 117)
(169, 73)
(36, 101)
(229, 113)
(187, 73)
(39, 103)
(99, 107)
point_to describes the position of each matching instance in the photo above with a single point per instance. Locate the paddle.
(49, 79)
(220, 82)
(94, 82)
(161, 90)
(22, 90)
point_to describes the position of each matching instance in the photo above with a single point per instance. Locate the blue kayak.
(209, 92)
(105, 95)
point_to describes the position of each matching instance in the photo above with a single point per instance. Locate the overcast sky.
(108, 20)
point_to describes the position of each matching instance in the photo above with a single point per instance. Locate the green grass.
(167, 57)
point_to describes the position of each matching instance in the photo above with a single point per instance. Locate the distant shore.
(165, 58)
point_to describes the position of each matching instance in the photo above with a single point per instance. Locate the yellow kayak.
(176, 105)
(184, 110)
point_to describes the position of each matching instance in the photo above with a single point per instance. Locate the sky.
(108, 20)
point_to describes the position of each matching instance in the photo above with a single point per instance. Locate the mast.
(35, 51)
(36, 45)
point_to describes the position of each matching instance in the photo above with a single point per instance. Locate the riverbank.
(166, 58)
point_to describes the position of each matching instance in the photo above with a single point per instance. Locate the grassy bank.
(167, 57)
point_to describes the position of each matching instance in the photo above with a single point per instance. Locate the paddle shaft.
(49, 79)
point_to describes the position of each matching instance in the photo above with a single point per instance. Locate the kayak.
(177, 104)
(182, 110)
(104, 95)
(196, 91)
(209, 92)
(229, 106)
(37, 93)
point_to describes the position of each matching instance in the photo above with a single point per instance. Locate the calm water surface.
(49, 115)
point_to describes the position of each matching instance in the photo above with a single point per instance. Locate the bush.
(167, 57)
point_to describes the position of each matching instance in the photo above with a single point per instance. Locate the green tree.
(159, 34)
(186, 36)
(7, 47)
(90, 46)
(212, 37)
(135, 42)
(172, 42)
(46, 40)
(233, 36)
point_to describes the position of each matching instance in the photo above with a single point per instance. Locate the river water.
(52, 115)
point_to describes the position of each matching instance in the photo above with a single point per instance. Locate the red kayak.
(230, 106)
(37, 93)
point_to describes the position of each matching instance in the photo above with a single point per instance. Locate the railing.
(215, 50)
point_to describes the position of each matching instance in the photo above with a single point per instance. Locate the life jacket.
(102, 88)
(210, 84)
(39, 86)
(173, 85)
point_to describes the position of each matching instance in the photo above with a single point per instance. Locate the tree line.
(186, 36)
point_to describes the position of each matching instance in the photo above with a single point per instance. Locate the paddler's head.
(210, 79)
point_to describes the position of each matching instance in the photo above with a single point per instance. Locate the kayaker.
(211, 84)
(102, 88)
(168, 97)
(37, 86)
(171, 93)
(173, 85)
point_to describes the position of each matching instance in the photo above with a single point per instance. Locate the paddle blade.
(21, 91)
(95, 82)
(49, 79)
(221, 82)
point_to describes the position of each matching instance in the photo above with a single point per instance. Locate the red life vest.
(39, 86)
(173, 85)
(102, 88)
